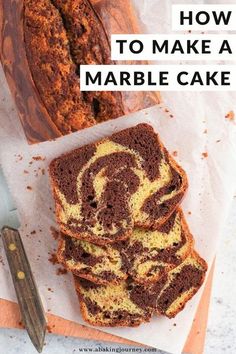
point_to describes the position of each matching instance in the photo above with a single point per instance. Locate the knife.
(32, 312)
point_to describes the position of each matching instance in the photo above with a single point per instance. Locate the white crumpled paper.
(195, 124)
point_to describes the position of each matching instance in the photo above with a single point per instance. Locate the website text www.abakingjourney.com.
(108, 349)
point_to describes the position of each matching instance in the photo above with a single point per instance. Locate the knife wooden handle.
(31, 308)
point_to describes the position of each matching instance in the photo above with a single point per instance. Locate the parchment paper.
(194, 124)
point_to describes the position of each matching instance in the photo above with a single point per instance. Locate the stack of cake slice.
(123, 234)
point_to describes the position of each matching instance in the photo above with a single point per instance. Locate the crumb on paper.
(50, 289)
(33, 232)
(53, 258)
(230, 115)
(205, 131)
(19, 158)
(29, 188)
(189, 213)
(26, 172)
(204, 155)
(167, 110)
(55, 233)
(218, 141)
(175, 153)
(43, 171)
(1, 261)
(39, 158)
(171, 116)
(61, 271)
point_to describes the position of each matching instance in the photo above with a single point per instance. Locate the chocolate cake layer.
(105, 189)
(59, 37)
(145, 256)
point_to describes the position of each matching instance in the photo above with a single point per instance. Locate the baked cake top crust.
(59, 37)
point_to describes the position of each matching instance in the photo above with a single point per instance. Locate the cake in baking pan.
(103, 190)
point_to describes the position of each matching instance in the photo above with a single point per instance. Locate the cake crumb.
(39, 158)
(218, 141)
(61, 271)
(43, 171)
(29, 188)
(175, 153)
(19, 158)
(204, 155)
(26, 172)
(33, 232)
(50, 289)
(53, 258)
(230, 115)
(20, 323)
(205, 131)
(171, 116)
(55, 233)
(189, 213)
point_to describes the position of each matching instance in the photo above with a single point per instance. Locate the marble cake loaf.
(59, 37)
(145, 256)
(129, 304)
(103, 190)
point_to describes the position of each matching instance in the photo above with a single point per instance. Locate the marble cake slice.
(152, 253)
(145, 256)
(103, 190)
(169, 295)
(99, 264)
(110, 305)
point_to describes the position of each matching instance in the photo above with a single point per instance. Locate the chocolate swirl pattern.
(170, 294)
(129, 304)
(145, 256)
(105, 189)
(110, 305)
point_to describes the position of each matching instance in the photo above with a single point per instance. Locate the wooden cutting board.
(10, 318)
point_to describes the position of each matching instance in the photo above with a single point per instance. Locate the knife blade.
(31, 308)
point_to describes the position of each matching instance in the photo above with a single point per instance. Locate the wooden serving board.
(10, 318)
